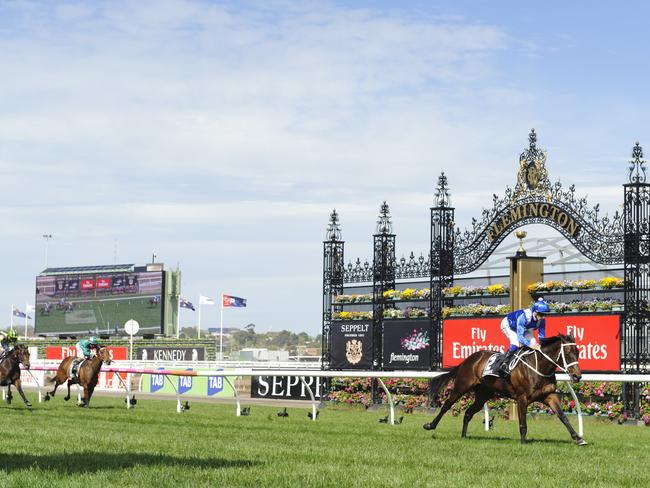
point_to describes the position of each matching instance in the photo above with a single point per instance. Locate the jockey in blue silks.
(519, 327)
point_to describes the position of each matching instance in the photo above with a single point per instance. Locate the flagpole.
(26, 315)
(221, 332)
(198, 332)
(178, 317)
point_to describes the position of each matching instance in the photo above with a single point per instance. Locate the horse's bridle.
(560, 354)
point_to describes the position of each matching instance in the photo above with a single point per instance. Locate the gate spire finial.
(532, 178)
(637, 165)
(334, 228)
(442, 198)
(384, 225)
(532, 139)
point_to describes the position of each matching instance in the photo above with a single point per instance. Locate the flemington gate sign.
(622, 239)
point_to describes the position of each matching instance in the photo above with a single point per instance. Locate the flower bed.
(607, 283)
(494, 290)
(483, 310)
(352, 316)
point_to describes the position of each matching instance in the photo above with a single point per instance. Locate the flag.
(230, 301)
(30, 308)
(205, 300)
(18, 313)
(186, 304)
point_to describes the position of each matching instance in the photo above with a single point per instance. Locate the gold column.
(524, 270)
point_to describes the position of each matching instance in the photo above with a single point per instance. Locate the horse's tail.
(50, 379)
(442, 380)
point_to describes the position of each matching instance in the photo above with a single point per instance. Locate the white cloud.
(186, 125)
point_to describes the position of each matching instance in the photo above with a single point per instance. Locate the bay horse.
(87, 376)
(532, 380)
(10, 371)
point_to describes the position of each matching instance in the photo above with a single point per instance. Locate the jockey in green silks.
(84, 351)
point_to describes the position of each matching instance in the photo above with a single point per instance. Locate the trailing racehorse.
(87, 376)
(531, 380)
(10, 371)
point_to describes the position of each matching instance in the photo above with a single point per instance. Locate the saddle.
(494, 362)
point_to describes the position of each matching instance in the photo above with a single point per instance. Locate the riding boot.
(504, 369)
(75, 362)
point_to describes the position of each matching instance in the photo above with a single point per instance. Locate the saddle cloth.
(74, 376)
(493, 364)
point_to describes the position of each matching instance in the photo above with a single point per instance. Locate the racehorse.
(87, 376)
(10, 371)
(532, 380)
(153, 301)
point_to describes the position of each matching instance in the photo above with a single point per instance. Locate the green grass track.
(59, 444)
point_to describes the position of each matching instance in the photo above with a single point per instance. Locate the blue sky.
(220, 135)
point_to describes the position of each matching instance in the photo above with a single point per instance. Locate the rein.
(560, 354)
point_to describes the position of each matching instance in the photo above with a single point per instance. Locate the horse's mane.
(549, 341)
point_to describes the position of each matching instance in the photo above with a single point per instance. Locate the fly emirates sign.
(597, 337)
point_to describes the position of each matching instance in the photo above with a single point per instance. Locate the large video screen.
(99, 303)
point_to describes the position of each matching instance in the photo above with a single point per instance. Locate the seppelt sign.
(597, 337)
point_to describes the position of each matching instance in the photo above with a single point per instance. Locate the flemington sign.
(525, 211)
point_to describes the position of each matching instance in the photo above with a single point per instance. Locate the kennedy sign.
(597, 337)
(170, 353)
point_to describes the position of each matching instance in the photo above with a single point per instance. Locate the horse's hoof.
(29, 405)
(427, 427)
(581, 442)
(66, 398)
(47, 398)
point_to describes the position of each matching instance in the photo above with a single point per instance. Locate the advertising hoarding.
(351, 345)
(407, 345)
(285, 387)
(597, 337)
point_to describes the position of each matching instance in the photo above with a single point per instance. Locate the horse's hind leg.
(9, 397)
(56, 385)
(449, 402)
(482, 395)
(553, 401)
(67, 397)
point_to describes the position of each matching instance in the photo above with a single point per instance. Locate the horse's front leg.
(553, 401)
(9, 397)
(89, 394)
(522, 410)
(18, 384)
